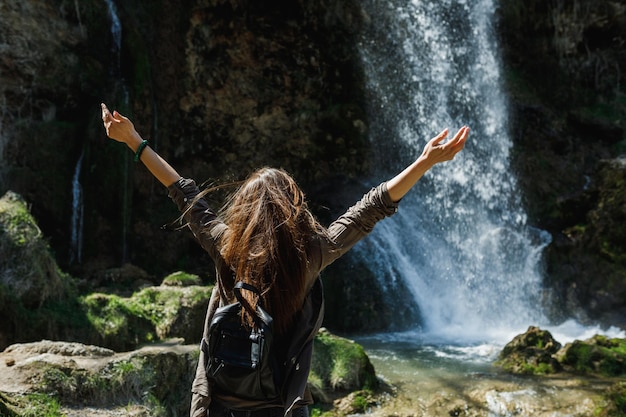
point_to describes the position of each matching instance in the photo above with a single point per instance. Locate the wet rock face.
(562, 62)
(222, 87)
(219, 87)
(587, 260)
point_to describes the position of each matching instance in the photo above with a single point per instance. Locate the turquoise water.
(431, 376)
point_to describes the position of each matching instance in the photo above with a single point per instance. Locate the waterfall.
(116, 32)
(460, 241)
(76, 242)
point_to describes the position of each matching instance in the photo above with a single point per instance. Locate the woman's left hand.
(435, 151)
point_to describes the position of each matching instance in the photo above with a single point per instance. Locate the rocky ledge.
(73, 379)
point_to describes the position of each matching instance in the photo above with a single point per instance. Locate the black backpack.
(240, 360)
(253, 364)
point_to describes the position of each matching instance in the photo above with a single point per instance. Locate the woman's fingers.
(440, 137)
(105, 112)
(459, 138)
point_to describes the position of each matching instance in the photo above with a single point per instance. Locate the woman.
(266, 236)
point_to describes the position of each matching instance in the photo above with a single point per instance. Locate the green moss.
(360, 402)
(539, 369)
(18, 222)
(120, 324)
(161, 307)
(518, 364)
(144, 317)
(580, 356)
(614, 402)
(341, 364)
(130, 381)
(181, 279)
(5, 407)
(598, 354)
(317, 410)
(30, 405)
(40, 405)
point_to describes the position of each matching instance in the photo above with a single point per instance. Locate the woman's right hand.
(121, 129)
(118, 127)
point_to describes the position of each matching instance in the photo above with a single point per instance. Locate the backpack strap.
(240, 285)
(260, 315)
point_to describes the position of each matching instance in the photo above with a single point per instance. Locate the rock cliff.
(220, 87)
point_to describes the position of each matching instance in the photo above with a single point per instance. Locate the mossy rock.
(602, 355)
(530, 353)
(339, 366)
(615, 398)
(157, 378)
(27, 267)
(151, 314)
(181, 279)
(30, 405)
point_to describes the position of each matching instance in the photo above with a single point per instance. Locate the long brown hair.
(269, 226)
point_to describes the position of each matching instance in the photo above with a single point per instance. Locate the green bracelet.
(140, 149)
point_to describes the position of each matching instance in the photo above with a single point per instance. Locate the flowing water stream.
(460, 242)
(76, 236)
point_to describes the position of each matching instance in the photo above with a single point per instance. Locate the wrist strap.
(140, 149)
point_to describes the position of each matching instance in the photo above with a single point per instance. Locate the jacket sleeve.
(358, 221)
(204, 223)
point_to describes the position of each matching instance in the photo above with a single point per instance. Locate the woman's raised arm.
(121, 129)
(433, 153)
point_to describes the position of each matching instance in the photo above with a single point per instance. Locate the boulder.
(28, 271)
(155, 377)
(530, 353)
(340, 366)
(599, 354)
(148, 315)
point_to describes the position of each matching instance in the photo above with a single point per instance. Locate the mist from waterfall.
(460, 241)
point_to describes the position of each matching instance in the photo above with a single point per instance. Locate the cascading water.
(116, 32)
(460, 240)
(76, 242)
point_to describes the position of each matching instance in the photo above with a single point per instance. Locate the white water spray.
(460, 240)
(76, 242)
